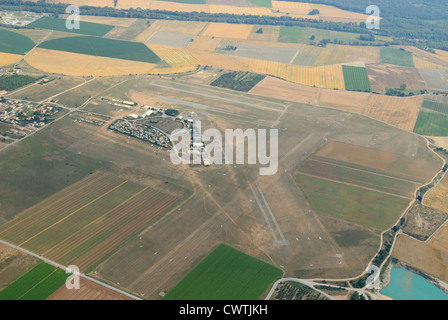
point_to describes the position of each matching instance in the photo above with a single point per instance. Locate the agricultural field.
(102, 47)
(225, 30)
(240, 81)
(86, 221)
(14, 43)
(55, 61)
(128, 33)
(88, 291)
(296, 291)
(323, 77)
(205, 43)
(191, 28)
(170, 39)
(435, 79)
(356, 79)
(265, 33)
(275, 54)
(429, 256)
(226, 274)
(389, 76)
(13, 265)
(37, 284)
(357, 189)
(437, 197)
(431, 122)
(87, 28)
(12, 82)
(397, 57)
(7, 59)
(422, 221)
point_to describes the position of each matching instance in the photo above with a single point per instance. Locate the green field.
(431, 123)
(356, 79)
(226, 274)
(262, 3)
(397, 57)
(368, 208)
(15, 43)
(435, 106)
(303, 35)
(103, 47)
(37, 284)
(87, 28)
(238, 80)
(10, 83)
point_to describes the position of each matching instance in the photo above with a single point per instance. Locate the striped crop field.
(330, 77)
(86, 221)
(226, 274)
(356, 79)
(37, 284)
(396, 56)
(87, 28)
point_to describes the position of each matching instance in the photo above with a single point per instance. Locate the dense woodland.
(417, 24)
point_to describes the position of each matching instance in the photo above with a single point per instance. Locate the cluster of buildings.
(142, 132)
(88, 119)
(197, 145)
(23, 113)
(119, 103)
(19, 19)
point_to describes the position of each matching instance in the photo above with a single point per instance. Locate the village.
(25, 116)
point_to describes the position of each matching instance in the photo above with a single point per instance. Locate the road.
(57, 265)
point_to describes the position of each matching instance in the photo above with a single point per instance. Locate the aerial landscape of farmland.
(222, 150)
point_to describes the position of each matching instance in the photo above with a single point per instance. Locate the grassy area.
(15, 43)
(37, 284)
(431, 123)
(356, 79)
(102, 47)
(396, 56)
(87, 28)
(238, 80)
(368, 208)
(226, 274)
(435, 106)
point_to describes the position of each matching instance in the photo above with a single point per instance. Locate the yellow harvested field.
(443, 55)
(332, 54)
(175, 57)
(311, 49)
(92, 3)
(262, 43)
(191, 28)
(330, 77)
(205, 43)
(280, 89)
(74, 64)
(423, 63)
(440, 57)
(430, 256)
(438, 197)
(292, 5)
(345, 100)
(330, 13)
(7, 58)
(270, 33)
(227, 30)
(172, 70)
(398, 111)
(128, 4)
(174, 6)
(253, 11)
(118, 22)
(364, 54)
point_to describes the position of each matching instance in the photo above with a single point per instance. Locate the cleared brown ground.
(398, 111)
(74, 64)
(389, 76)
(280, 89)
(422, 221)
(376, 159)
(225, 30)
(430, 257)
(438, 197)
(6, 59)
(205, 43)
(440, 141)
(13, 264)
(352, 101)
(88, 291)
